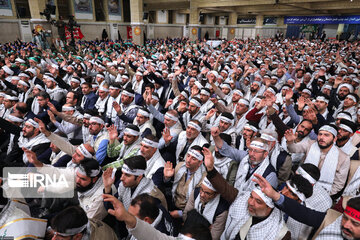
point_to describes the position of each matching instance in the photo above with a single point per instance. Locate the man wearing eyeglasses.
(99, 138)
(255, 160)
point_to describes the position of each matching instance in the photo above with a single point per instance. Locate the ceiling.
(258, 7)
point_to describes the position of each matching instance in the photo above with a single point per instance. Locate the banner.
(5, 8)
(5, 4)
(129, 32)
(270, 20)
(249, 20)
(214, 43)
(83, 9)
(77, 33)
(82, 6)
(309, 29)
(114, 9)
(322, 19)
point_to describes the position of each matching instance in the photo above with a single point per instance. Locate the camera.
(48, 11)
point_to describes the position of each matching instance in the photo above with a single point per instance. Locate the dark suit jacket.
(90, 101)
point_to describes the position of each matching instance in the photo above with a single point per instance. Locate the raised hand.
(168, 103)
(175, 214)
(210, 113)
(117, 108)
(113, 134)
(52, 116)
(108, 179)
(42, 127)
(194, 90)
(52, 108)
(266, 187)
(261, 104)
(290, 136)
(119, 210)
(148, 99)
(289, 94)
(166, 135)
(311, 115)
(301, 103)
(337, 82)
(215, 131)
(182, 107)
(31, 156)
(209, 159)
(169, 171)
(270, 100)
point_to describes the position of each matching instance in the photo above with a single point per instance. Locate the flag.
(77, 33)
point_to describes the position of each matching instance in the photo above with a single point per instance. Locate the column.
(340, 30)
(232, 25)
(280, 24)
(36, 6)
(193, 23)
(259, 25)
(137, 23)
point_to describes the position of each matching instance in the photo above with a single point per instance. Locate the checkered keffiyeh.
(248, 185)
(332, 231)
(238, 215)
(125, 196)
(352, 189)
(319, 201)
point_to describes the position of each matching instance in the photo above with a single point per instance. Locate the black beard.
(301, 135)
(253, 90)
(341, 98)
(324, 147)
(343, 138)
(84, 189)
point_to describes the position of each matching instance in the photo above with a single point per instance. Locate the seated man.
(73, 222)
(226, 125)
(129, 147)
(319, 200)
(278, 157)
(257, 161)
(77, 153)
(252, 214)
(72, 131)
(333, 163)
(187, 175)
(332, 223)
(154, 161)
(42, 101)
(208, 202)
(141, 230)
(191, 137)
(89, 98)
(170, 120)
(99, 138)
(146, 208)
(143, 121)
(133, 182)
(89, 185)
(31, 138)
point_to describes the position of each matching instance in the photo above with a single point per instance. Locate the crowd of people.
(253, 139)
